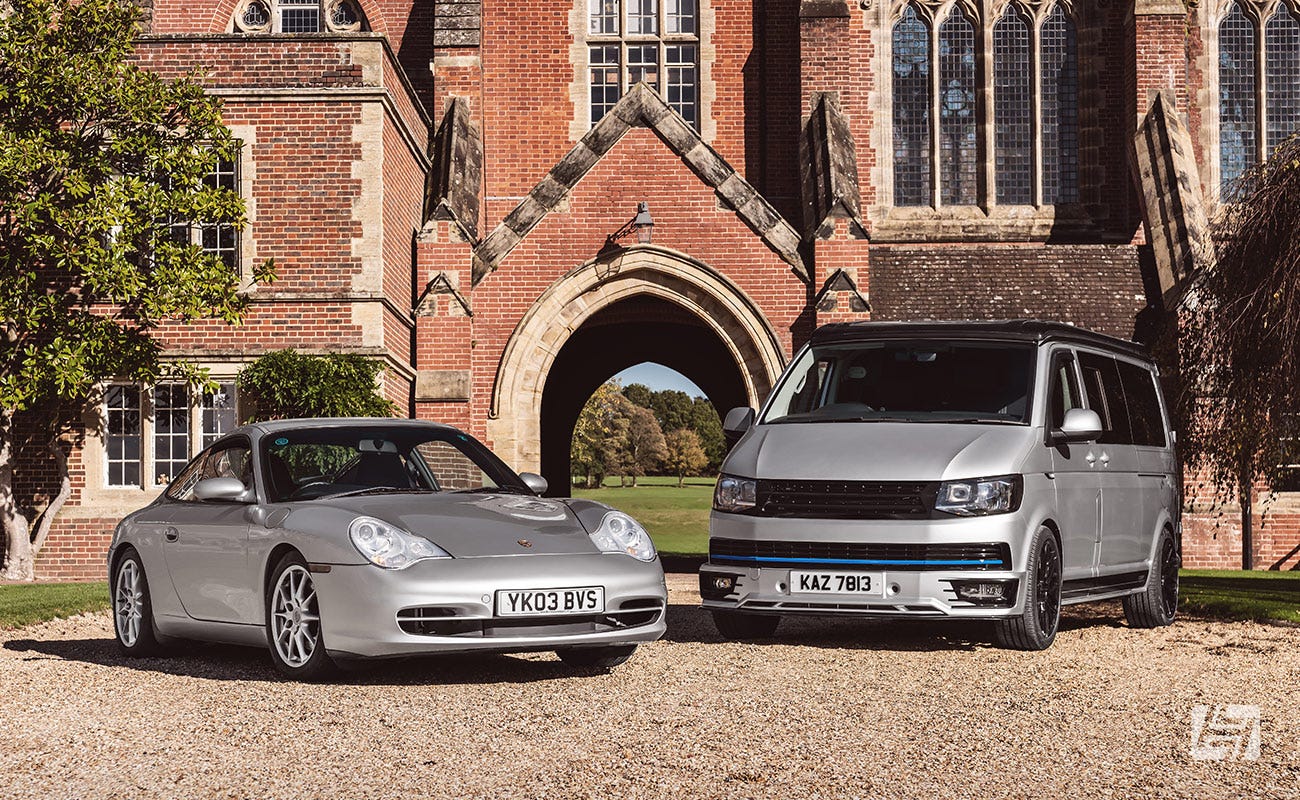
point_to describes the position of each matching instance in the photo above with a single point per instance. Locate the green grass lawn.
(677, 519)
(1234, 594)
(27, 603)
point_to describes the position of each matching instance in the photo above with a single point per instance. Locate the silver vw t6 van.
(961, 470)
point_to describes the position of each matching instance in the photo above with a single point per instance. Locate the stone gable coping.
(455, 180)
(641, 107)
(829, 163)
(840, 281)
(442, 284)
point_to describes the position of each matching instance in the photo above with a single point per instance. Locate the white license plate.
(860, 583)
(550, 602)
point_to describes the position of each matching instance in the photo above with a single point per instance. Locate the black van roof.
(1023, 330)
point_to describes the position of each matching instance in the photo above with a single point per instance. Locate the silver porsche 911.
(331, 541)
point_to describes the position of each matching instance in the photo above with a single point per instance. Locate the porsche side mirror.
(230, 490)
(1080, 425)
(536, 483)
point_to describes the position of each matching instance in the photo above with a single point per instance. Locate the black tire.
(133, 624)
(737, 626)
(1157, 605)
(300, 652)
(1035, 628)
(597, 657)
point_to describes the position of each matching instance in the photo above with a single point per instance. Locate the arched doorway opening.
(623, 334)
(644, 303)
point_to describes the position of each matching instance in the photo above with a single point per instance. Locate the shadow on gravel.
(234, 663)
(692, 624)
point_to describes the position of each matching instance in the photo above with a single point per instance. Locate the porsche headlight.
(980, 497)
(391, 548)
(619, 533)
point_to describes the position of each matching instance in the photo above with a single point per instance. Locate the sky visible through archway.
(658, 378)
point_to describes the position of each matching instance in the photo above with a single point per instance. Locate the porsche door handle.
(171, 534)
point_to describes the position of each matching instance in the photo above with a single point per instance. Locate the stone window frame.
(1211, 16)
(703, 40)
(271, 16)
(986, 220)
(96, 455)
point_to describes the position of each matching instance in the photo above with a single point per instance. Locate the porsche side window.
(228, 462)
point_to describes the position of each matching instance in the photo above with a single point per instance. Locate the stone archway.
(644, 271)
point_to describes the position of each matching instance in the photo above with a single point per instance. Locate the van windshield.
(907, 381)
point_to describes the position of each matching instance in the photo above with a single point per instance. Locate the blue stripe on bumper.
(885, 562)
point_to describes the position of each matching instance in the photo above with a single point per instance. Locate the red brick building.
(448, 186)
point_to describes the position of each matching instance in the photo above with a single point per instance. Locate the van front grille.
(846, 499)
(912, 557)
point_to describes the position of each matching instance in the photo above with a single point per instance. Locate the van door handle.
(171, 534)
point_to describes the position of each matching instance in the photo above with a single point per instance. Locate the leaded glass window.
(1237, 113)
(1012, 87)
(957, 121)
(650, 41)
(939, 88)
(1060, 109)
(219, 412)
(1281, 76)
(911, 75)
(298, 16)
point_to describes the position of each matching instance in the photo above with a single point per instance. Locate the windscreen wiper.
(376, 490)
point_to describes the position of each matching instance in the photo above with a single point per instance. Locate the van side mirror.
(738, 421)
(1080, 425)
(535, 483)
(229, 490)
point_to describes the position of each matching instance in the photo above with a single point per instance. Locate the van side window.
(1106, 396)
(1065, 389)
(1143, 404)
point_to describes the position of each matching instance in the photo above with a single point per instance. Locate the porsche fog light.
(619, 533)
(391, 548)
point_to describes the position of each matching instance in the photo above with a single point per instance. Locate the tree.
(599, 435)
(644, 446)
(672, 408)
(705, 423)
(287, 384)
(1240, 346)
(685, 455)
(639, 394)
(102, 169)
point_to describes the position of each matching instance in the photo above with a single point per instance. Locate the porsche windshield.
(907, 381)
(329, 461)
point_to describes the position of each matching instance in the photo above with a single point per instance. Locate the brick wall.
(1093, 286)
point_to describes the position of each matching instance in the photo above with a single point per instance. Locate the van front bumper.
(906, 582)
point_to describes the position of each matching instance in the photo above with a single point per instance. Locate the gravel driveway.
(827, 709)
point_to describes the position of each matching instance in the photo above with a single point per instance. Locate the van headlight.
(389, 547)
(735, 494)
(980, 496)
(619, 533)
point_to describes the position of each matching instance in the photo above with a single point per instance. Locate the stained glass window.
(957, 121)
(1060, 109)
(911, 66)
(1237, 112)
(1012, 86)
(1281, 76)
